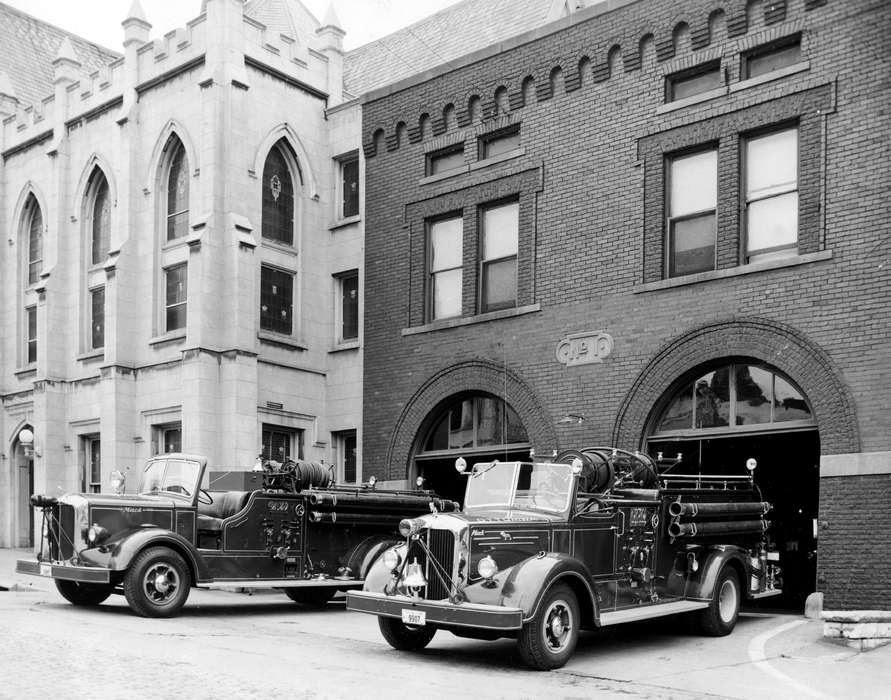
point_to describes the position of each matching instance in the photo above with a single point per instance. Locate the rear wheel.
(87, 594)
(311, 597)
(405, 637)
(549, 639)
(157, 583)
(719, 618)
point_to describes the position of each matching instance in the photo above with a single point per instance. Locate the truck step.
(281, 583)
(645, 612)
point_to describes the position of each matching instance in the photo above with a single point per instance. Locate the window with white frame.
(34, 234)
(345, 457)
(348, 186)
(99, 217)
(771, 186)
(176, 297)
(97, 318)
(347, 313)
(498, 259)
(692, 204)
(31, 334)
(280, 443)
(92, 463)
(277, 222)
(177, 190)
(276, 300)
(445, 277)
(167, 437)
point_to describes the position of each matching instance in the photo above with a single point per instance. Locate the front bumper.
(66, 572)
(438, 612)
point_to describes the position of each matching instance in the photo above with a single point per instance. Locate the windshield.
(520, 485)
(177, 476)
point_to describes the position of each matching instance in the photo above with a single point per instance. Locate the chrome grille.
(441, 545)
(61, 532)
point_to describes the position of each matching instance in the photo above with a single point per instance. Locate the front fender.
(378, 575)
(367, 552)
(716, 558)
(121, 552)
(529, 581)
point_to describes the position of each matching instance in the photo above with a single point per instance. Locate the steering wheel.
(204, 497)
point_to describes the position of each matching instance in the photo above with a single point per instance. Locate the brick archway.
(478, 376)
(775, 344)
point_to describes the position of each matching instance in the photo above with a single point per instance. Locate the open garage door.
(740, 411)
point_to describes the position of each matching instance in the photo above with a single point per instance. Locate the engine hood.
(456, 522)
(120, 501)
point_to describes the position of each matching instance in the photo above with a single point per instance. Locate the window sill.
(471, 167)
(471, 320)
(282, 341)
(500, 158)
(346, 221)
(91, 355)
(748, 269)
(26, 372)
(180, 242)
(344, 347)
(169, 337)
(278, 245)
(769, 77)
(692, 100)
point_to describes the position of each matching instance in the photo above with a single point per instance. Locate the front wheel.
(311, 597)
(84, 594)
(719, 618)
(549, 639)
(405, 637)
(157, 583)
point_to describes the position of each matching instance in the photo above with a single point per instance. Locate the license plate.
(414, 617)
(46, 570)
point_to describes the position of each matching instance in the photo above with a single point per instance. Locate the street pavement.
(227, 644)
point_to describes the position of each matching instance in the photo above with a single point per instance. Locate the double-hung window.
(347, 317)
(348, 186)
(97, 318)
(498, 264)
(445, 160)
(276, 300)
(31, 334)
(693, 81)
(444, 245)
(771, 57)
(176, 296)
(771, 187)
(692, 205)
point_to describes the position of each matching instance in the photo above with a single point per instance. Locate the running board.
(645, 612)
(281, 583)
(765, 594)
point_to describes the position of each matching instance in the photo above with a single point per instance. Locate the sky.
(100, 20)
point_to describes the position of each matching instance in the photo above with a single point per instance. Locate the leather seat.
(225, 504)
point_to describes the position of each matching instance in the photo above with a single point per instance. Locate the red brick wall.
(590, 184)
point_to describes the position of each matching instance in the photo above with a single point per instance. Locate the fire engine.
(300, 533)
(598, 537)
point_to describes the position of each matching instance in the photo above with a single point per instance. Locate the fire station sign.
(584, 348)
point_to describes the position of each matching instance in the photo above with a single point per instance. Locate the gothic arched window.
(177, 191)
(278, 196)
(34, 231)
(99, 208)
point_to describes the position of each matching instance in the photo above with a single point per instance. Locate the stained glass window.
(278, 197)
(177, 192)
(101, 219)
(276, 300)
(35, 239)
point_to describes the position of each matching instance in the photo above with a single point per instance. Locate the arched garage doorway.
(720, 416)
(475, 426)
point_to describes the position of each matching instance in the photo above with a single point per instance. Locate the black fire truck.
(299, 533)
(598, 537)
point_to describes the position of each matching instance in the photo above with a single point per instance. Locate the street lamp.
(26, 438)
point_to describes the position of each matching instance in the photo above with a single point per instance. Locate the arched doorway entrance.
(721, 415)
(23, 481)
(474, 426)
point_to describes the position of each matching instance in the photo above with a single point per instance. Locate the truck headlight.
(391, 559)
(96, 534)
(410, 526)
(487, 567)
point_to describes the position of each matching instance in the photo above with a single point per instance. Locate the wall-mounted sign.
(584, 348)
